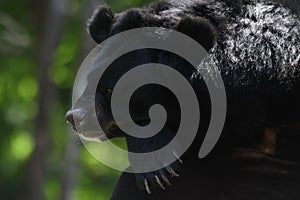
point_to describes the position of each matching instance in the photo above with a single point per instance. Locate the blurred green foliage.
(18, 100)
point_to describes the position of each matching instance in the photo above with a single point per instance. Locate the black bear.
(256, 46)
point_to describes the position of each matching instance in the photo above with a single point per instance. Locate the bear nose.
(76, 115)
(69, 118)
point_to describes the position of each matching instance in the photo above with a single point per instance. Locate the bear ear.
(100, 23)
(199, 29)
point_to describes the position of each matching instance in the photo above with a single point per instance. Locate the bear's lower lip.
(103, 138)
(93, 137)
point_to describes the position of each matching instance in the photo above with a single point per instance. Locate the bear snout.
(76, 116)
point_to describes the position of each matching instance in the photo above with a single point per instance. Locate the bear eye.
(107, 91)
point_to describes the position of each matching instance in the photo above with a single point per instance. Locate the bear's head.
(104, 24)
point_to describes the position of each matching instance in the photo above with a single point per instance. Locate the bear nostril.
(76, 115)
(69, 118)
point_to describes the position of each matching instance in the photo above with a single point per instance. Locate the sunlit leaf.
(52, 189)
(27, 88)
(21, 145)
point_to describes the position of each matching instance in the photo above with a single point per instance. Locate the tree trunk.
(50, 24)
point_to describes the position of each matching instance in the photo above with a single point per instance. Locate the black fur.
(100, 23)
(126, 21)
(256, 46)
(200, 30)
